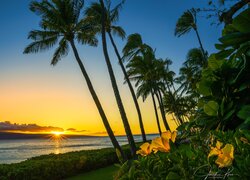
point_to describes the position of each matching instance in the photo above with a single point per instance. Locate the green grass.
(106, 173)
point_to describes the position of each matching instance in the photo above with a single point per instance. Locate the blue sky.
(32, 77)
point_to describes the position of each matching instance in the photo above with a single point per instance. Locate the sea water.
(17, 150)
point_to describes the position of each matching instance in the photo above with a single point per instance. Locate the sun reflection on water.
(57, 138)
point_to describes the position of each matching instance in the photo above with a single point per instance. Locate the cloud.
(75, 130)
(7, 126)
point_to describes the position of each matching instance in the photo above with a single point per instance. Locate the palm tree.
(144, 86)
(60, 22)
(114, 84)
(195, 58)
(142, 70)
(94, 13)
(185, 23)
(134, 46)
(167, 77)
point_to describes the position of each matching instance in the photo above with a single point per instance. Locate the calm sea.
(17, 150)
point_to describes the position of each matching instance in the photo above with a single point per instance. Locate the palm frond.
(87, 38)
(40, 46)
(60, 52)
(114, 13)
(77, 6)
(119, 31)
(38, 35)
(185, 23)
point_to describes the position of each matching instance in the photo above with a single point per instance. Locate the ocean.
(17, 150)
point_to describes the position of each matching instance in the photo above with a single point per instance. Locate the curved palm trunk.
(201, 46)
(162, 112)
(97, 102)
(156, 113)
(130, 88)
(115, 88)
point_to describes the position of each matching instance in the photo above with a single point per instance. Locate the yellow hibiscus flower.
(162, 143)
(145, 149)
(225, 155)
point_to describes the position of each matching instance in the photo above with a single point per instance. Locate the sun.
(57, 133)
(57, 136)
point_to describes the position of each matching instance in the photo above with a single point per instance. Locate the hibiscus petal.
(214, 151)
(173, 137)
(228, 150)
(166, 135)
(223, 161)
(218, 144)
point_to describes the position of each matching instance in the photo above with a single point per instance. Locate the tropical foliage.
(215, 143)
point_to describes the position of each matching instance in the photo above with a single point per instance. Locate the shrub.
(59, 166)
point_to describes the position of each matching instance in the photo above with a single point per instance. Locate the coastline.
(60, 166)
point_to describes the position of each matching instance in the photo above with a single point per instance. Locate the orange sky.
(64, 101)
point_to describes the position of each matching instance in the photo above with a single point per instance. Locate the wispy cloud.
(7, 126)
(75, 130)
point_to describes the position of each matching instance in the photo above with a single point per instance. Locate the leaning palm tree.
(144, 87)
(60, 23)
(185, 23)
(94, 14)
(167, 77)
(113, 82)
(143, 70)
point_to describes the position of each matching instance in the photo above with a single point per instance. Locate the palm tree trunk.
(156, 113)
(115, 87)
(130, 88)
(201, 46)
(97, 102)
(162, 111)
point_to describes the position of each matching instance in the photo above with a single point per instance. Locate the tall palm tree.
(136, 47)
(94, 12)
(185, 23)
(60, 22)
(114, 84)
(167, 77)
(142, 70)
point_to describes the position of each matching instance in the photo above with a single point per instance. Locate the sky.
(35, 94)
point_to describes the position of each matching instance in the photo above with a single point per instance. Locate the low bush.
(59, 166)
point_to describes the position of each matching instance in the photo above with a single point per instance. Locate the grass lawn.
(106, 173)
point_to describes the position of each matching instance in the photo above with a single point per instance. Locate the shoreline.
(60, 166)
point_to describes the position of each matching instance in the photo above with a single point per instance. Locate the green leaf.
(229, 114)
(173, 176)
(245, 125)
(228, 30)
(213, 62)
(220, 46)
(235, 38)
(244, 112)
(224, 54)
(211, 108)
(204, 87)
(242, 21)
